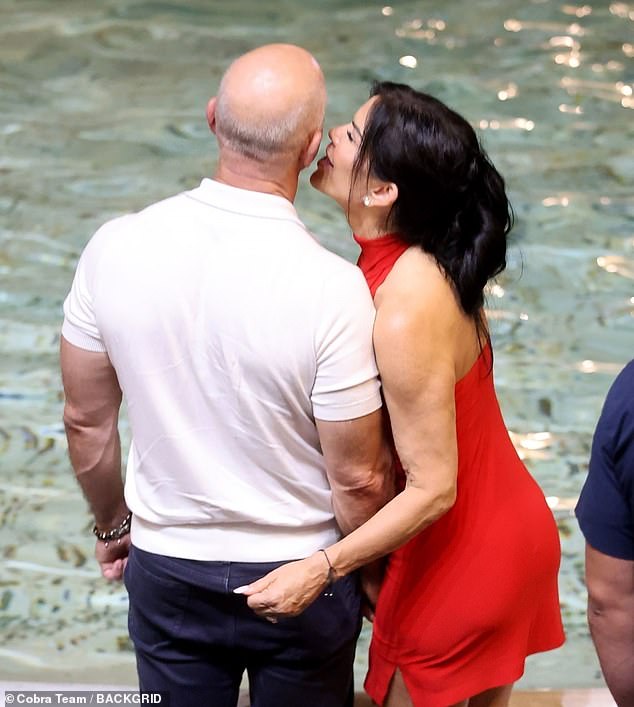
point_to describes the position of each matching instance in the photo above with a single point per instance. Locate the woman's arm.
(415, 352)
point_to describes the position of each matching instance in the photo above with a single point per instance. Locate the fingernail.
(241, 590)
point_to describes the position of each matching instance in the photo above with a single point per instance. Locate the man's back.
(230, 330)
(244, 352)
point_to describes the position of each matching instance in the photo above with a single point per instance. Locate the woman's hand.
(287, 590)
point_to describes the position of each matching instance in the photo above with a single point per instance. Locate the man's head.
(270, 106)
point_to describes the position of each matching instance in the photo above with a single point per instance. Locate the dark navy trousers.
(194, 638)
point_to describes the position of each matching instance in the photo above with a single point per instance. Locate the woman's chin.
(317, 179)
(320, 181)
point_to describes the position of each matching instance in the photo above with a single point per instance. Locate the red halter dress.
(467, 599)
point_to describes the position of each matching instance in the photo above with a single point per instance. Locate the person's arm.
(359, 467)
(415, 355)
(360, 471)
(91, 414)
(604, 512)
(610, 583)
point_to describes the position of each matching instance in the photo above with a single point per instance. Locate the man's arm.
(91, 415)
(610, 583)
(359, 468)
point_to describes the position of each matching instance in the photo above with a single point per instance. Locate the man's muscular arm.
(359, 468)
(91, 415)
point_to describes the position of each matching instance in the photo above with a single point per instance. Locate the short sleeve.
(346, 380)
(80, 325)
(605, 510)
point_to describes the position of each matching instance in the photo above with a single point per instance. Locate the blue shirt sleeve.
(605, 510)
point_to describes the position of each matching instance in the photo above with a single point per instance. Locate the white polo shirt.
(230, 329)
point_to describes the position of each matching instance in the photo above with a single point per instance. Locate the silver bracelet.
(115, 533)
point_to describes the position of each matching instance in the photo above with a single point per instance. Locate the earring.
(366, 200)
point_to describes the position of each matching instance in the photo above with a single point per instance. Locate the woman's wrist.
(332, 576)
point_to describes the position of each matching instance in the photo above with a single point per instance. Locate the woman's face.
(333, 175)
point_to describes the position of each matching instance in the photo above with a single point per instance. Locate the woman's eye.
(349, 134)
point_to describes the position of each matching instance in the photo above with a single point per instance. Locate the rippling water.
(102, 111)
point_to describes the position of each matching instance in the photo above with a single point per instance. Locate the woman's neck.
(368, 223)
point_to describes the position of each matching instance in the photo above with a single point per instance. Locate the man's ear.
(310, 151)
(211, 114)
(384, 194)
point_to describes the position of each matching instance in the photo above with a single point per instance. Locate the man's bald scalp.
(270, 101)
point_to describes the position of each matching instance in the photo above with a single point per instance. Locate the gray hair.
(265, 137)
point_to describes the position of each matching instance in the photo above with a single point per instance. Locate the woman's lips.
(325, 161)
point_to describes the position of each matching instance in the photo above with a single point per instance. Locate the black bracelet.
(116, 533)
(332, 575)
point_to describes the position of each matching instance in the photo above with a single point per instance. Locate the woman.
(472, 588)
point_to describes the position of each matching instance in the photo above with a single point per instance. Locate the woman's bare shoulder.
(418, 306)
(417, 284)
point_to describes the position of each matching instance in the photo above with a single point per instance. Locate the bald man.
(244, 352)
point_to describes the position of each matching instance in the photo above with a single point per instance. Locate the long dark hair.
(451, 199)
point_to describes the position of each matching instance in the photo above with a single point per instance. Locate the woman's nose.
(332, 134)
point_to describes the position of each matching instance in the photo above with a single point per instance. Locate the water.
(102, 111)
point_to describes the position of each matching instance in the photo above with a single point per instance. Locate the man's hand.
(287, 590)
(113, 557)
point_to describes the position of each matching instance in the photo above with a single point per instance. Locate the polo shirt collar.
(243, 201)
